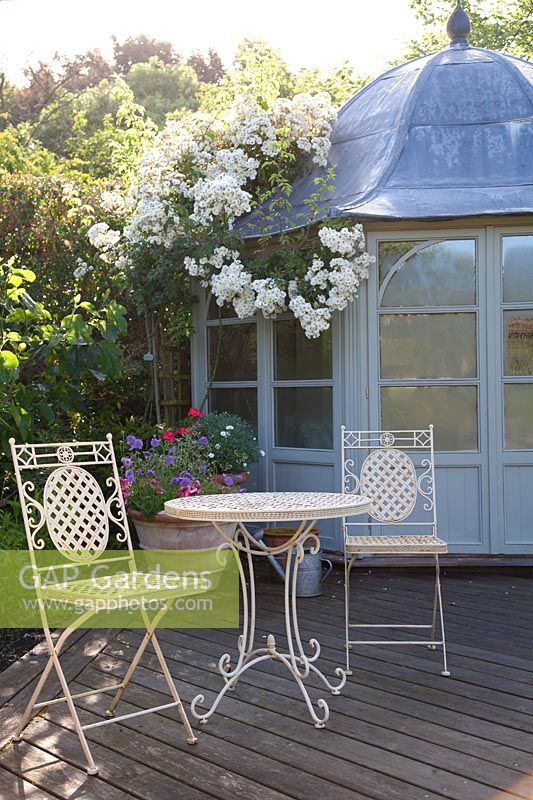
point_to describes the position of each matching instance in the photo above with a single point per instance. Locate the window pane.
(452, 409)
(518, 342)
(237, 401)
(518, 403)
(300, 358)
(517, 265)
(233, 352)
(440, 274)
(304, 417)
(428, 346)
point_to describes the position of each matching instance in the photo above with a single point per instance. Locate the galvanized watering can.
(311, 574)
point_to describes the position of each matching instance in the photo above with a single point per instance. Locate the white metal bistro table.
(305, 508)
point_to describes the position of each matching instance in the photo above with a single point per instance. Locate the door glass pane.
(304, 417)
(438, 274)
(428, 346)
(518, 404)
(517, 266)
(518, 342)
(237, 401)
(300, 358)
(452, 409)
(233, 352)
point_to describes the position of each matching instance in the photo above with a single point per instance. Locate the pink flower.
(191, 490)
(194, 412)
(183, 431)
(125, 489)
(168, 436)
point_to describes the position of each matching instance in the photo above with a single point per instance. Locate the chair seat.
(85, 592)
(395, 544)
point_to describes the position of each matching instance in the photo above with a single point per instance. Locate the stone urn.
(166, 532)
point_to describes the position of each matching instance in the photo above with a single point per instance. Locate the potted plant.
(168, 465)
(232, 445)
(276, 536)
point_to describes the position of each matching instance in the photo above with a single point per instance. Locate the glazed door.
(427, 364)
(512, 418)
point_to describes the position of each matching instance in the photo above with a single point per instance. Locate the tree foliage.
(504, 26)
(163, 88)
(45, 358)
(139, 50)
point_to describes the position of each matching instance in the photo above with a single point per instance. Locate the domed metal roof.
(446, 135)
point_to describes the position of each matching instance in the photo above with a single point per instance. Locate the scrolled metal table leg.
(296, 660)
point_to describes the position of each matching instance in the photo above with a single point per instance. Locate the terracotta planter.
(274, 537)
(166, 532)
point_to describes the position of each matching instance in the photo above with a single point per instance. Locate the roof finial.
(459, 27)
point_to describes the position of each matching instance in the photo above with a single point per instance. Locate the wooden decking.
(399, 731)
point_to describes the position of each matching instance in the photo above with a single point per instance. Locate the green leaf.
(22, 419)
(46, 412)
(9, 365)
(109, 356)
(26, 274)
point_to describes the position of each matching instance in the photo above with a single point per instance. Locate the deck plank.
(282, 697)
(398, 731)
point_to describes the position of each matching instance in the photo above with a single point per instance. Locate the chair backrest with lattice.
(388, 474)
(59, 493)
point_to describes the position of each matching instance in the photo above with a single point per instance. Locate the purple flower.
(155, 442)
(203, 440)
(134, 443)
(169, 460)
(186, 474)
(239, 478)
(242, 489)
(147, 454)
(228, 480)
(129, 475)
(202, 468)
(172, 450)
(175, 480)
(185, 482)
(127, 462)
(151, 473)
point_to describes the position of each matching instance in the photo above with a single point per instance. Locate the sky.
(369, 33)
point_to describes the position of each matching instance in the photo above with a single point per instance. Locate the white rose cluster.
(308, 119)
(200, 175)
(207, 165)
(82, 268)
(104, 239)
(329, 284)
(335, 282)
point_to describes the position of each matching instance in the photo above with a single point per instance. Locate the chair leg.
(435, 605)
(91, 768)
(191, 738)
(150, 636)
(445, 670)
(150, 628)
(27, 715)
(131, 669)
(347, 570)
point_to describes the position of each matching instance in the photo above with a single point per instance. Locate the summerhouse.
(435, 158)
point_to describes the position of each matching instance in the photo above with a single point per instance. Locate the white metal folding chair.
(77, 515)
(389, 477)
